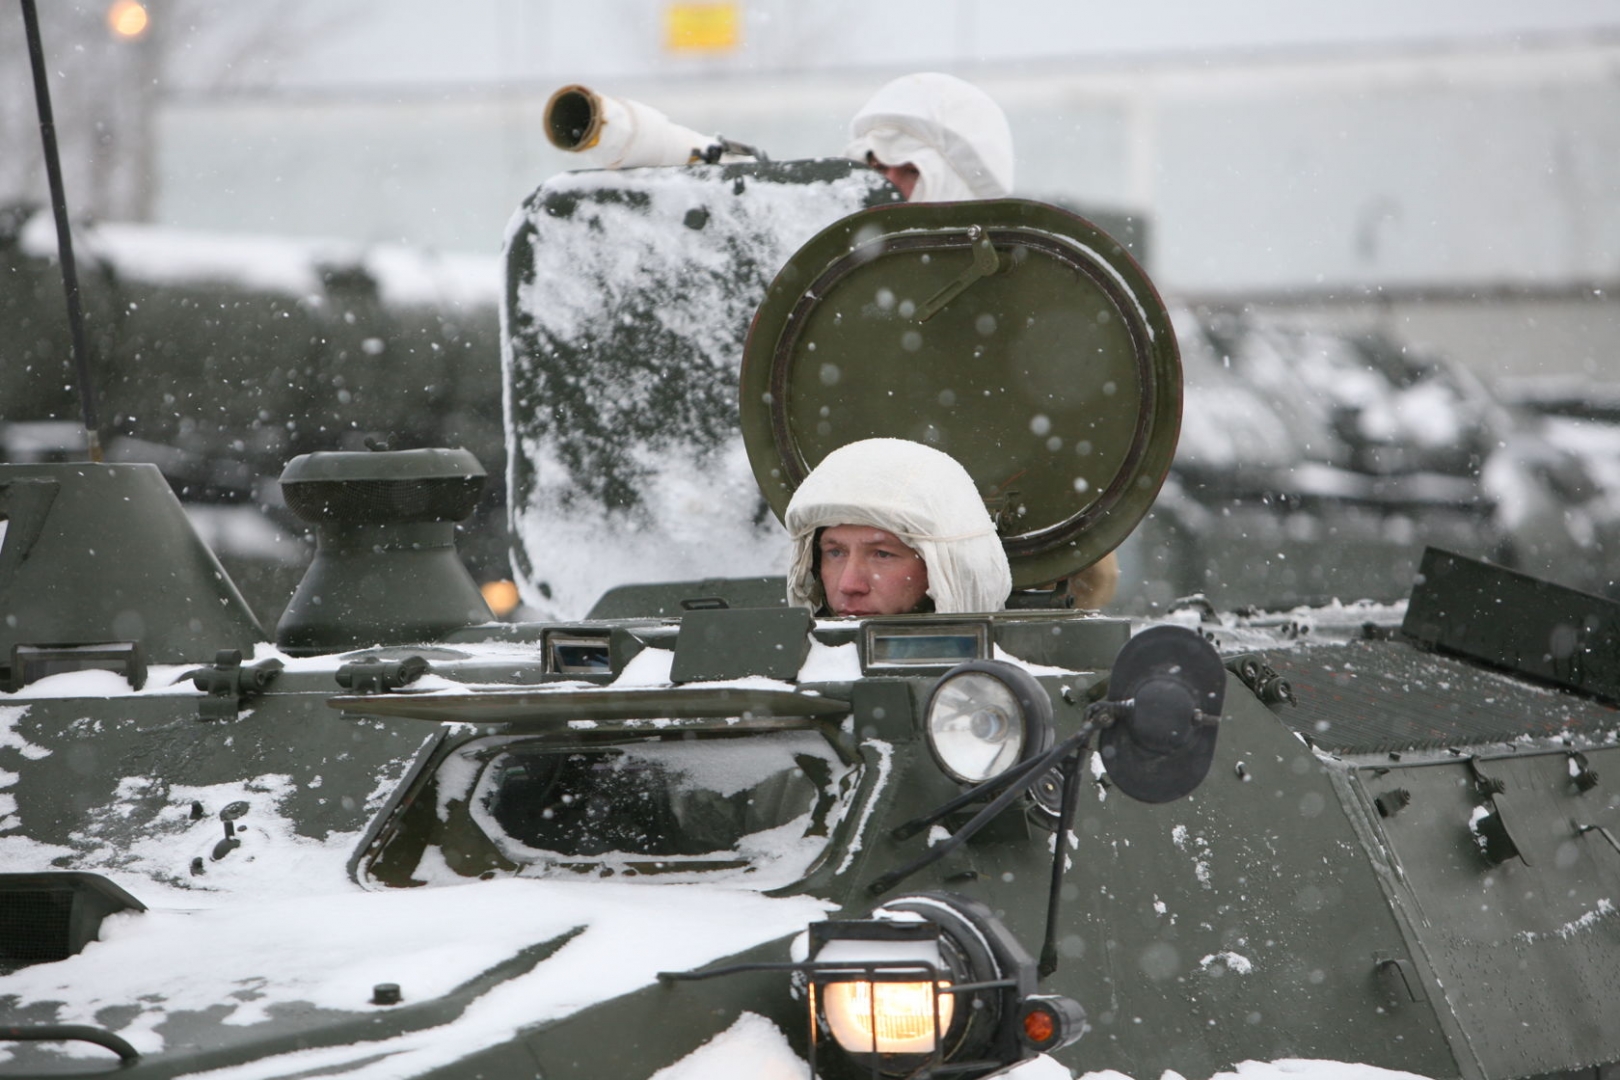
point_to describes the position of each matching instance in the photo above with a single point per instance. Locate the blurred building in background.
(1446, 177)
(1453, 171)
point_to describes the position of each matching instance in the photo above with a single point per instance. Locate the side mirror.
(1165, 696)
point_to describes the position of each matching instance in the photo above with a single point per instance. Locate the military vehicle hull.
(700, 828)
(1293, 906)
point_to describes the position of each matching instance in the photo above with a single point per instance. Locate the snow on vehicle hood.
(278, 930)
(329, 951)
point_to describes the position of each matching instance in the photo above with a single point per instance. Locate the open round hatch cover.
(1016, 337)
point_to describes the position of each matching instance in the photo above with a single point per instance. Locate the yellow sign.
(712, 27)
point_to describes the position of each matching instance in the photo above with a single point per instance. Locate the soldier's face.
(866, 571)
(903, 177)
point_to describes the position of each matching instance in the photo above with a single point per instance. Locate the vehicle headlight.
(882, 985)
(984, 717)
(930, 984)
(888, 1017)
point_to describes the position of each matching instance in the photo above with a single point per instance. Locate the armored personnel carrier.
(696, 832)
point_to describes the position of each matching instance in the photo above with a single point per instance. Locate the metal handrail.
(72, 1033)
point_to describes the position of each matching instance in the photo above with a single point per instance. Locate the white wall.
(1494, 164)
(1323, 173)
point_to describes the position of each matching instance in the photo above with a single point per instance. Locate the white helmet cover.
(952, 131)
(919, 494)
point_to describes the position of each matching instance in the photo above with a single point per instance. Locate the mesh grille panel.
(35, 925)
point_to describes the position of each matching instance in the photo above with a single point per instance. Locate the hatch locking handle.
(985, 263)
(1400, 979)
(1582, 830)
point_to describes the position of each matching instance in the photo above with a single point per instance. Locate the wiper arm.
(1016, 780)
(1070, 755)
(974, 794)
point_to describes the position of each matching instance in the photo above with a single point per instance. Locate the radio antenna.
(64, 237)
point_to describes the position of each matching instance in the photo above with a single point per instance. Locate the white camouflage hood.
(952, 131)
(917, 493)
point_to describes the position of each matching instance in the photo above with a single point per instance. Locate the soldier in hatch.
(885, 527)
(889, 527)
(936, 138)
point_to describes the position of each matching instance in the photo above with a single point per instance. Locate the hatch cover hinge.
(228, 684)
(1489, 825)
(380, 676)
(1261, 678)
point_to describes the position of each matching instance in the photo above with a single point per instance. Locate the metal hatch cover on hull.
(1017, 337)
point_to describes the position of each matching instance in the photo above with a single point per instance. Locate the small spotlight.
(501, 596)
(128, 19)
(888, 1000)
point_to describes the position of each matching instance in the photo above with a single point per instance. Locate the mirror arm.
(1071, 799)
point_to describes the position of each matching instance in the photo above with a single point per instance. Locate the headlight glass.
(976, 726)
(888, 1017)
(888, 991)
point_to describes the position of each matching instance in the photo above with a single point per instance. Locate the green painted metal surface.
(735, 643)
(1519, 939)
(102, 554)
(1016, 337)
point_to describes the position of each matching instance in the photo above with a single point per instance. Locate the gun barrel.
(573, 118)
(617, 133)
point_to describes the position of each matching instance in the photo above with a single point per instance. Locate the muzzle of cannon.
(618, 133)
